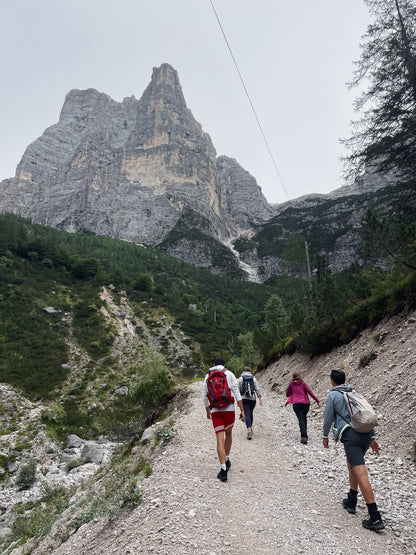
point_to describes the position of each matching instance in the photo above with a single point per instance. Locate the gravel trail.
(281, 496)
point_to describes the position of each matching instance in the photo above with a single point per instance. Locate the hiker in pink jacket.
(298, 392)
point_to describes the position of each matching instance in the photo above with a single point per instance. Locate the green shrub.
(366, 358)
(150, 393)
(403, 295)
(144, 282)
(155, 383)
(290, 345)
(164, 435)
(26, 476)
(54, 413)
(242, 244)
(377, 337)
(122, 421)
(144, 466)
(320, 339)
(90, 326)
(3, 467)
(134, 495)
(75, 463)
(81, 519)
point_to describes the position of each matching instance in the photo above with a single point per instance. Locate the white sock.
(227, 458)
(223, 467)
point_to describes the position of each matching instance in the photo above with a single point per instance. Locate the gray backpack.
(363, 416)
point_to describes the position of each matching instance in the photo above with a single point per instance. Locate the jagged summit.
(145, 171)
(132, 170)
(80, 103)
(165, 87)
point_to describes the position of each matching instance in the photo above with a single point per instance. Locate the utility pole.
(307, 261)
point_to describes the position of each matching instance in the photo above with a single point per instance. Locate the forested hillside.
(248, 323)
(43, 267)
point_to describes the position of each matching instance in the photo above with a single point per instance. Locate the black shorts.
(355, 445)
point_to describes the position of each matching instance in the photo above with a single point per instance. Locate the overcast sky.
(295, 58)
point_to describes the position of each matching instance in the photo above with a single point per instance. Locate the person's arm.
(241, 407)
(329, 416)
(314, 397)
(258, 392)
(205, 398)
(375, 447)
(288, 393)
(233, 385)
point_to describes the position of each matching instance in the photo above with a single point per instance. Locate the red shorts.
(223, 420)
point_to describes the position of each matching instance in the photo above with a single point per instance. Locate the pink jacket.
(298, 392)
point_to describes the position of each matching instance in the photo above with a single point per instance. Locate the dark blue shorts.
(355, 445)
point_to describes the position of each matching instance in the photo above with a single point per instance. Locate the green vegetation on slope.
(44, 267)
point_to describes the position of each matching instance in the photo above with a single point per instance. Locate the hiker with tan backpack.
(357, 435)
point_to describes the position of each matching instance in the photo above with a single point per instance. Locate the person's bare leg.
(359, 478)
(221, 449)
(228, 442)
(352, 479)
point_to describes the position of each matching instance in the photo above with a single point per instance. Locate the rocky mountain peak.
(79, 104)
(164, 87)
(131, 169)
(145, 171)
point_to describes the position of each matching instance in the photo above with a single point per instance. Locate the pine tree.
(385, 137)
(276, 316)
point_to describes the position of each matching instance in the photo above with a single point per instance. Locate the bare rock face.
(129, 170)
(146, 172)
(240, 195)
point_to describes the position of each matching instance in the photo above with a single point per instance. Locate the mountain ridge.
(133, 170)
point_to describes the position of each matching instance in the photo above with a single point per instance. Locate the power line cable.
(250, 101)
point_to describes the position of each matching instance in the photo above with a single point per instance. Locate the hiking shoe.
(346, 503)
(304, 440)
(249, 433)
(222, 475)
(371, 524)
(228, 464)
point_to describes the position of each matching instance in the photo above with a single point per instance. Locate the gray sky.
(295, 58)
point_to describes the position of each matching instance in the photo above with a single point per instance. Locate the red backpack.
(219, 392)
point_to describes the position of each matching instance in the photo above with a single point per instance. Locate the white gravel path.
(281, 497)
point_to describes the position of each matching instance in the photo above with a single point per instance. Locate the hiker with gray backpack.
(352, 420)
(249, 389)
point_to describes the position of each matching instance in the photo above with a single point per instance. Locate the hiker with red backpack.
(338, 416)
(249, 389)
(219, 392)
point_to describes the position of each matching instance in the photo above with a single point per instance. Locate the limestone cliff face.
(130, 169)
(240, 196)
(145, 171)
